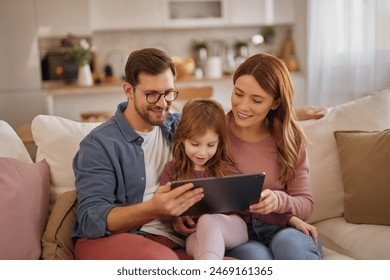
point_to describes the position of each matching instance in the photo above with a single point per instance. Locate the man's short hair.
(150, 61)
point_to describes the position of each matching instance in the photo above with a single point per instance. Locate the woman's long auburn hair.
(273, 76)
(200, 115)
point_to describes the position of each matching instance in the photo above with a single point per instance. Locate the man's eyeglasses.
(152, 97)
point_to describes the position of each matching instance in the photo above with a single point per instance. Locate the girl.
(200, 149)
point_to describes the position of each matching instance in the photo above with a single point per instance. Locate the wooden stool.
(25, 134)
(95, 116)
(188, 93)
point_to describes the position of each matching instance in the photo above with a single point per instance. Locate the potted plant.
(80, 52)
(241, 48)
(268, 33)
(200, 55)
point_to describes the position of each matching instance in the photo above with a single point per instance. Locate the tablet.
(225, 194)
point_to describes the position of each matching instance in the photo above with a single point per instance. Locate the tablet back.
(225, 194)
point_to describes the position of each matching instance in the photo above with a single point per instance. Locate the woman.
(265, 136)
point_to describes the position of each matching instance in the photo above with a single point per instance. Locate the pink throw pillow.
(24, 199)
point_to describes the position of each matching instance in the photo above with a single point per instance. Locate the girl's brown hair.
(273, 76)
(198, 116)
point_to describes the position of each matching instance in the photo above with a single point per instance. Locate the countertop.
(59, 87)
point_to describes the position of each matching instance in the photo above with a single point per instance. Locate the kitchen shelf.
(195, 10)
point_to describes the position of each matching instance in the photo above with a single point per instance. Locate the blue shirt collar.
(130, 134)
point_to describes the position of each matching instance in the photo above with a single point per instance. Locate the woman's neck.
(252, 134)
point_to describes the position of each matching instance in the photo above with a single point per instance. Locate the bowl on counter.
(184, 68)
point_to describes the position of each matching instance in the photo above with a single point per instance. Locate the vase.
(84, 76)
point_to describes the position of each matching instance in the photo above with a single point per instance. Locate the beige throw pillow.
(56, 241)
(365, 167)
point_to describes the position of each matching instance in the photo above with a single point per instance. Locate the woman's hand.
(305, 228)
(184, 225)
(268, 203)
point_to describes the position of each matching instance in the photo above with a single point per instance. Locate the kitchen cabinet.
(249, 12)
(71, 102)
(57, 18)
(126, 14)
(168, 14)
(261, 12)
(19, 55)
(20, 95)
(283, 12)
(198, 13)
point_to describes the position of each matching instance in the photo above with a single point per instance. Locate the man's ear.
(129, 90)
(275, 104)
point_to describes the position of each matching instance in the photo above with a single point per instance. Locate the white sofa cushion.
(358, 241)
(329, 254)
(11, 145)
(58, 141)
(368, 113)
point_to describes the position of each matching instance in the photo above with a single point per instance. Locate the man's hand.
(164, 203)
(311, 112)
(167, 202)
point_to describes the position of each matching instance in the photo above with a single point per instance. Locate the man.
(117, 171)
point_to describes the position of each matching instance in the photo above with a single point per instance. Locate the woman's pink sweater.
(295, 197)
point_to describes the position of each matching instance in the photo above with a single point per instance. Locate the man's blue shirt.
(110, 171)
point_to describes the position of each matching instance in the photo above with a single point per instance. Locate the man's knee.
(123, 246)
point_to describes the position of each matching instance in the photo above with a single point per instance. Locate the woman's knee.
(292, 244)
(251, 250)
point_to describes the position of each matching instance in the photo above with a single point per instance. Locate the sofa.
(349, 155)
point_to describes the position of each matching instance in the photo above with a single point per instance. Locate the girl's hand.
(268, 203)
(305, 228)
(184, 225)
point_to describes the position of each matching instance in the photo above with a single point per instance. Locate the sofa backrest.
(58, 141)
(370, 113)
(11, 145)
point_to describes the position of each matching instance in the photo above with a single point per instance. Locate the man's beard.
(145, 115)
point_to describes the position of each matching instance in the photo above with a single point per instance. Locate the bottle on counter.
(200, 56)
(287, 52)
